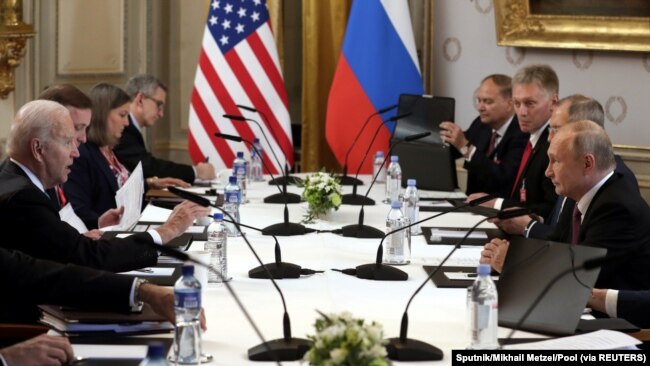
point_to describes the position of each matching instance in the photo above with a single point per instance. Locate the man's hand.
(94, 234)
(494, 253)
(514, 226)
(474, 196)
(451, 133)
(161, 300)
(205, 171)
(597, 299)
(111, 217)
(41, 350)
(162, 183)
(180, 219)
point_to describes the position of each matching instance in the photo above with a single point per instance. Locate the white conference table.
(436, 316)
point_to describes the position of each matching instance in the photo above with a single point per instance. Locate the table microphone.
(381, 272)
(182, 256)
(285, 228)
(360, 230)
(353, 198)
(284, 349)
(285, 178)
(279, 269)
(345, 179)
(406, 349)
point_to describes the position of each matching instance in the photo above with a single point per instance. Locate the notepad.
(109, 351)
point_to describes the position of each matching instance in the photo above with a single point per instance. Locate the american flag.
(238, 65)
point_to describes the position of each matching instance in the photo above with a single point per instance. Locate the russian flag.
(377, 64)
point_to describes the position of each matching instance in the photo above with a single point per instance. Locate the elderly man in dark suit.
(609, 211)
(41, 147)
(493, 144)
(148, 95)
(535, 95)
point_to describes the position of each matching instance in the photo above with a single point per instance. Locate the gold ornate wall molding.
(14, 34)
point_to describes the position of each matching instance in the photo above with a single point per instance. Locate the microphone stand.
(287, 348)
(345, 179)
(353, 198)
(286, 178)
(283, 196)
(279, 270)
(381, 272)
(406, 349)
(284, 228)
(368, 232)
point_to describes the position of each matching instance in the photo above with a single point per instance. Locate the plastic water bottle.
(217, 246)
(411, 201)
(397, 249)
(378, 166)
(483, 311)
(231, 202)
(240, 170)
(187, 304)
(393, 179)
(155, 355)
(256, 170)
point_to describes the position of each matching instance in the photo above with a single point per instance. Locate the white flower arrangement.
(322, 193)
(342, 340)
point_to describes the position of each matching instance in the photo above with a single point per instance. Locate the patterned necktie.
(493, 144)
(522, 165)
(575, 227)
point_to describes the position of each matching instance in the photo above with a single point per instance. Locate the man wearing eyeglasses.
(148, 96)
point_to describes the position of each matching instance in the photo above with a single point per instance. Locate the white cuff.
(472, 150)
(155, 236)
(132, 294)
(498, 203)
(611, 300)
(2, 361)
(528, 227)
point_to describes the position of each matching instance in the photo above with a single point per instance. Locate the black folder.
(491, 234)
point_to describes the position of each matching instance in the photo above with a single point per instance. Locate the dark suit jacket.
(484, 173)
(540, 192)
(544, 230)
(27, 282)
(617, 219)
(91, 185)
(131, 150)
(31, 223)
(633, 306)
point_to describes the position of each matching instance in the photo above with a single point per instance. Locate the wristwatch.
(136, 291)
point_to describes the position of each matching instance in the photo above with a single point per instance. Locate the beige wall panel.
(82, 25)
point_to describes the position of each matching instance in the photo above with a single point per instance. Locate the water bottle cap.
(256, 140)
(156, 350)
(483, 269)
(411, 182)
(379, 153)
(188, 270)
(232, 179)
(394, 158)
(240, 154)
(218, 216)
(396, 204)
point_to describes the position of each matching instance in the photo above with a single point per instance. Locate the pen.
(144, 270)
(207, 159)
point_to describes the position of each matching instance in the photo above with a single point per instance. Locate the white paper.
(130, 196)
(151, 272)
(465, 276)
(441, 195)
(110, 351)
(140, 228)
(195, 229)
(601, 339)
(123, 235)
(68, 215)
(437, 233)
(435, 204)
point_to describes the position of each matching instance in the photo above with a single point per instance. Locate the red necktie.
(62, 198)
(522, 165)
(493, 144)
(575, 227)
